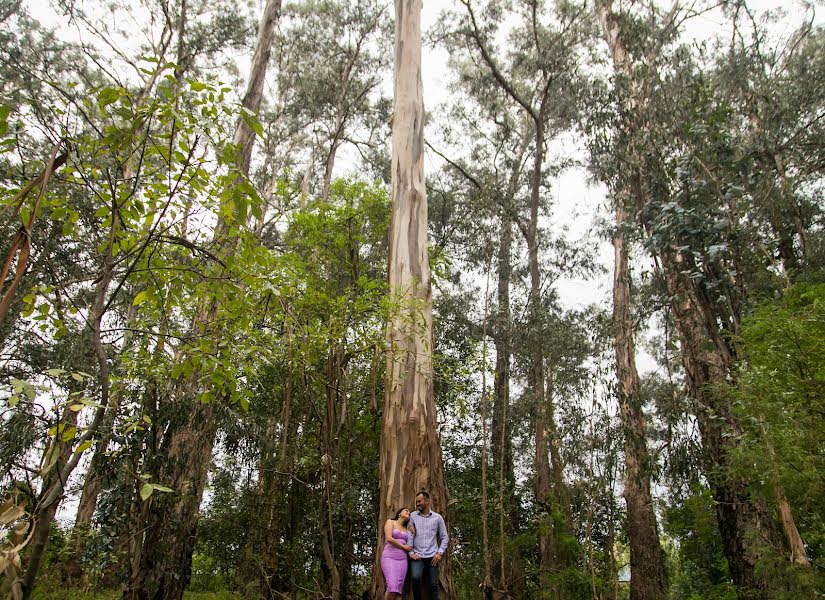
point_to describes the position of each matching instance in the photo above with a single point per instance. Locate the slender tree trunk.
(91, 490)
(335, 375)
(44, 513)
(410, 451)
(487, 581)
(745, 524)
(535, 376)
(166, 558)
(647, 572)
(67, 461)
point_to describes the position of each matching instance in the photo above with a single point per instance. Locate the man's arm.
(442, 533)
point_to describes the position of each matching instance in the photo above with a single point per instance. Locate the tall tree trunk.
(647, 572)
(487, 581)
(745, 524)
(410, 451)
(166, 557)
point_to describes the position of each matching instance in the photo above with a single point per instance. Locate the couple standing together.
(420, 537)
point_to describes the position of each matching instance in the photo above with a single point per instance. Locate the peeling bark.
(647, 571)
(410, 451)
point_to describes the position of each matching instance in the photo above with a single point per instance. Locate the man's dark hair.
(423, 493)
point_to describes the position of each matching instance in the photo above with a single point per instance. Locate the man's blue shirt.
(430, 534)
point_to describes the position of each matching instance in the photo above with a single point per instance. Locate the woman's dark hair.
(398, 514)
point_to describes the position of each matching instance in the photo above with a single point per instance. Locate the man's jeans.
(423, 569)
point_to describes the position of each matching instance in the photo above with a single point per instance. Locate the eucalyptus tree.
(683, 166)
(410, 453)
(475, 208)
(647, 571)
(330, 57)
(536, 77)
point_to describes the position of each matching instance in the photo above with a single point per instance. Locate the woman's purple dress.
(394, 562)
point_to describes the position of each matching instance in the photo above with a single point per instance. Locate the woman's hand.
(407, 547)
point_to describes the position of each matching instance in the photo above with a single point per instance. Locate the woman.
(398, 542)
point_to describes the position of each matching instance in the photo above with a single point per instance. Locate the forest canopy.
(268, 273)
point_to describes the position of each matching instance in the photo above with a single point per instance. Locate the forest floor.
(68, 594)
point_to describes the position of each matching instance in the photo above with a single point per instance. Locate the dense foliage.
(194, 342)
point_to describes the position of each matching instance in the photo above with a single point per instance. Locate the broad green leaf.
(107, 96)
(69, 434)
(146, 491)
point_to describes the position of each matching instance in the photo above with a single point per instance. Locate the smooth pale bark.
(647, 571)
(165, 563)
(410, 452)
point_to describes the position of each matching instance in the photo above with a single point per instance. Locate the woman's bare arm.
(390, 539)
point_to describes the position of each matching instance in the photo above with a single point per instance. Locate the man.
(429, 546)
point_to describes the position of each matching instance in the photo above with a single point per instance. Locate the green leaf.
(69, 434)
(140, 298)
(252, 121)
(107, 96)
(146, 491)
(162, 488)
(83, 447)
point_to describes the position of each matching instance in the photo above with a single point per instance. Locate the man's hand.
(436, 559)
(414, 556)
